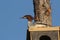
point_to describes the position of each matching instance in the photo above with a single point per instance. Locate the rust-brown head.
(28, 17)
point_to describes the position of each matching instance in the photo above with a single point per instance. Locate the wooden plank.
(43, 29)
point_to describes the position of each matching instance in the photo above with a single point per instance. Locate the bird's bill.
(23, 17)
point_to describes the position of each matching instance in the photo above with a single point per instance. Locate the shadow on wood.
(28, 35)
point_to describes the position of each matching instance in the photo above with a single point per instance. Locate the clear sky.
(14, 28)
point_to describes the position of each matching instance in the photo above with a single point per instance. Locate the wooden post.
(42, 11)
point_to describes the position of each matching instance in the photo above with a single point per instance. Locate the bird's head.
(28, 17)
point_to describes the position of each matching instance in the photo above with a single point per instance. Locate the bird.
(29, 18)
(33, 24)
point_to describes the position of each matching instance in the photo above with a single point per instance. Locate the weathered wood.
(36, 35)
(52, 32)
(42, 11)
(44, 28)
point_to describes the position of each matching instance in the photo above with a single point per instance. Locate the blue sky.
(14, 28)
